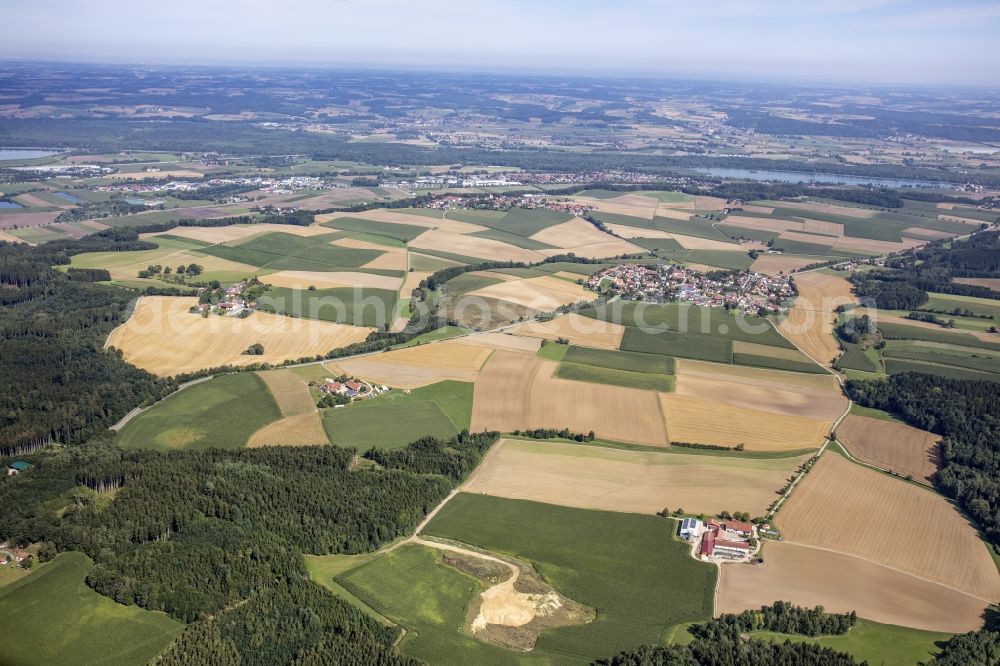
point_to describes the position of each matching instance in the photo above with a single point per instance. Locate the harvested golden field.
(473, 246)
(169, 257)
(239, 232)
(595, 477)
(809, 384)
(896, 446)
(164, 338)
(412, 281)
(608, 248)
(290, 391)
(4, 236)
(849, 244)
(392, 258)
(539, 293)
(763, 224)
(851, 509)
(298, 430)
(574, 233)
(94, 224)
(696, 243)
(809, 325)
(779, 264)
(926, 234)
(989, 283)
(301, 425)
(495, 340)
(825, 228)
(701, 421)
(672, 214)
(812, 239)
(579, 330)
(961, 220)
(395, 217)
(517, 391)
(763, 396)
(626, 231)
(841, 584)
(641, 207)
(330, 280)
(30, 200)
(703, 203)
(742, 347)
(418, 366)
(847, 211)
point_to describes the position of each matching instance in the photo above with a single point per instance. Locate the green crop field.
(423, 262)
(698, 320)
(753, 234)
(684, 345)
(345, 305)
(700, 228)
(281, 251)
(628, 567)
(801, 247)
(553, 351)
(414, 589)
(614, 377)
(393, 420)
(400, 232)
(896, 331)
(949, 302)
(619, 360)
(627, 220)
(664, 245)
(873, 642)
(219, 413)
(51, 617)
(930, 352)
(895, 366)
(777, 363)
(467, 282)
(856, 359)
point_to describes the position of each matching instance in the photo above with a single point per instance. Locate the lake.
(803, 177)
(66, 196)
(25, 153)
(10, 204)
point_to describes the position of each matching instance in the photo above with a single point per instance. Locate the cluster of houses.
(508, 202)
(749, 292)
(726, 539)
(351, 388)
(232, 304)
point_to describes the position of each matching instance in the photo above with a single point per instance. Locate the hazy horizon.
(901, 42)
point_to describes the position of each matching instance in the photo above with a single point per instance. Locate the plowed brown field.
(841, 584)
(852, 509)
(895, 446)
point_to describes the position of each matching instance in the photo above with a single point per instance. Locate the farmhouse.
(726, 539)
(733, 549)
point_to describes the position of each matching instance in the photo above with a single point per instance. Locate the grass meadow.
(221, 413)
(629, 567)
(51, 617)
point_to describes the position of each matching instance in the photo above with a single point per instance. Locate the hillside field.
(80, 626)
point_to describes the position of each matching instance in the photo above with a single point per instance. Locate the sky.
(903, 42)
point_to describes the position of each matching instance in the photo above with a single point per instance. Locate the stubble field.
(896, 446)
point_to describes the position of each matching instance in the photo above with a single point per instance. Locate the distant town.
(750, 293)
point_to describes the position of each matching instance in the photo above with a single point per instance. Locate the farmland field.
(700, 421)
(594, 477)
(517, 391)
(579, 330)
(80, 626)
(163, 337)
(300, 423)
(614, 377)
(222, 413)
(895, 446)
(632, 605)
(355, 306)
(419, 365)
(869, 522)
(810, 319)
(394, 420)
(842, 583)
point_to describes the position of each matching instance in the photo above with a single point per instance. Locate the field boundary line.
(989, 602)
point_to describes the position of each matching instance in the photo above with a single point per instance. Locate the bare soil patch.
(852, 509)
(841, 584)
(989, 283)
(593, 477)
(11, 220)
(825, 228)
(896, 446)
